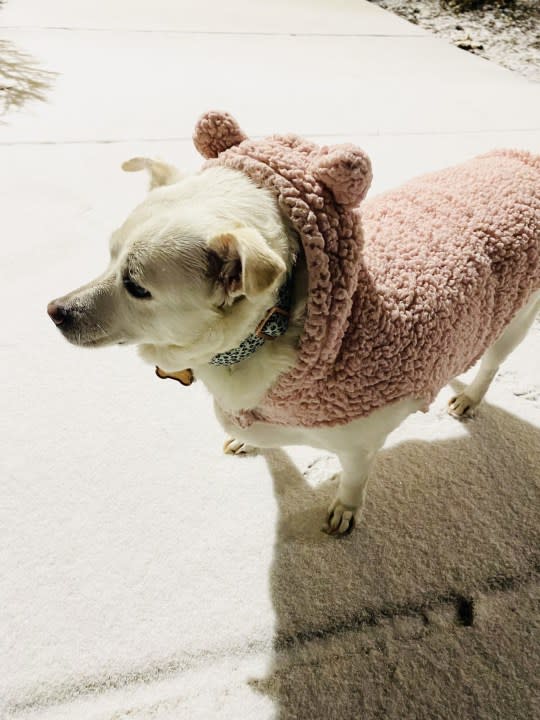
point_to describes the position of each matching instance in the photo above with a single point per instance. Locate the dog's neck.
(242, 385)
(273, 324)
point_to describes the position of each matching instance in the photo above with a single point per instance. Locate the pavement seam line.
(188, 138)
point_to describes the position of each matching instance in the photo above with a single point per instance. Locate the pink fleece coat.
(407, 290)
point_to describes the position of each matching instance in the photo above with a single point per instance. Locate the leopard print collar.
(273, 325)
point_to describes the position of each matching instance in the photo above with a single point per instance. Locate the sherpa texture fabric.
(406, 291)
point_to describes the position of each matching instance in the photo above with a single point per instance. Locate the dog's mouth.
(82, 340)
(89, 337)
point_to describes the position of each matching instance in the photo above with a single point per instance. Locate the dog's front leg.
(350, 497)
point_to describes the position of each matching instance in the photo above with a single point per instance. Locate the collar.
(274, 323)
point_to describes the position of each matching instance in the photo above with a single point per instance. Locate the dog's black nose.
(57, 313)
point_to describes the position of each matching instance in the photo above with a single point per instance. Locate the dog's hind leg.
(464, 404)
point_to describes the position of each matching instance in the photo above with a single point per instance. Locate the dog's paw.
(462, 406)
(237, 447)
(340, 519)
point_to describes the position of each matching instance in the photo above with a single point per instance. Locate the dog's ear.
(161, 173)
(241, 263)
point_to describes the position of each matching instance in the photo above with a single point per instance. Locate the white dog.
(193, 271)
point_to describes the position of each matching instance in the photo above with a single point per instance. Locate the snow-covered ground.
(505, 33)
(146, 576)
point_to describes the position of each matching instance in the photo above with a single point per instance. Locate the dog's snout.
(57, 312)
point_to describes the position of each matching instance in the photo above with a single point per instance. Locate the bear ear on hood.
(215, 132)
(346, 172)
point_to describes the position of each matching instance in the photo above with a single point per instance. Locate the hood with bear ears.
(447, 261)
(318, 189)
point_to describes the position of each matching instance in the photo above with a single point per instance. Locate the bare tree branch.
(21, 78)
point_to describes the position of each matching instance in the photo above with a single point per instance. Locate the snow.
(507, 33)
(145, 574)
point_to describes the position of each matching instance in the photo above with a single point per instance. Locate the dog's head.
(199, 259)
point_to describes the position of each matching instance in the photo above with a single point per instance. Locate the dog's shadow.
(445, 521)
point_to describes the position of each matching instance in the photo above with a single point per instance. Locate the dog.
(206, 266)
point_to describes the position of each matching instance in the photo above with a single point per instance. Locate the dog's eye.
(135, 290)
